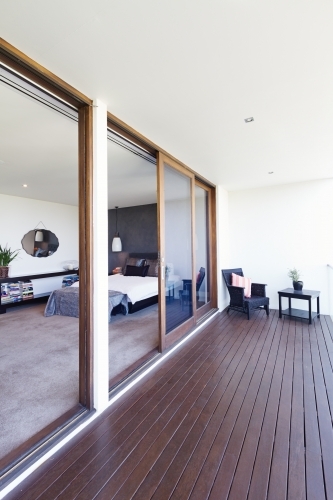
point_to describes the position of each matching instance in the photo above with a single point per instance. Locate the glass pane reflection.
(201, 246)
(178, 255)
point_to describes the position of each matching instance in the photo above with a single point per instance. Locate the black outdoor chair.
(238, 302)
(185, 295)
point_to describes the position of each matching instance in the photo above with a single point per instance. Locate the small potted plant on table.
(6, 257)
(295, 275)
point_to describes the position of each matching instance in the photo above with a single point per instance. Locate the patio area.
(241, 411)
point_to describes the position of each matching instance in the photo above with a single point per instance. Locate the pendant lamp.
(116, 242)
(39, 236)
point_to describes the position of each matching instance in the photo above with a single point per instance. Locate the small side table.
(308, 295)
(170, 290)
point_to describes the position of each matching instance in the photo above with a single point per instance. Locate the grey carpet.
(39, 374)
(131, 337)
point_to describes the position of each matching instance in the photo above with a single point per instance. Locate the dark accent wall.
(137, 228)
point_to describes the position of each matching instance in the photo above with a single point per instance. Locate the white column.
(223, 242)
(100, 257)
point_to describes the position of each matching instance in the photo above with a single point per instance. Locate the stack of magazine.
(16, 292)
(69, 280)
(27, 290)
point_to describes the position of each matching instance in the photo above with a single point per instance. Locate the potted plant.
(6, 257)
(295, 275)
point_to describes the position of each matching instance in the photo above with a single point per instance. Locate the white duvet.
(135, 287)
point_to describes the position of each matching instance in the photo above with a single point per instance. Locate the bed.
(127, 294)
(65, 302)
(140, 291)
(149, 295)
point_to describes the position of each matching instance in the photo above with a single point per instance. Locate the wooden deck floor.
(242, 411)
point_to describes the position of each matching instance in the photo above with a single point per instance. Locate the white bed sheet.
(135, 287)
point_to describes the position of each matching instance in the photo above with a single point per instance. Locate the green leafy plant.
(7, 255)
(294, 274)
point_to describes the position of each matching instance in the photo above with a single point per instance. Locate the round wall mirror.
(40, 243)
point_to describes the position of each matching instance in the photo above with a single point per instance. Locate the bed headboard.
(151, 255)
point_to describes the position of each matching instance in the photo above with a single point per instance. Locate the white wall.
(276, 228)
(20, 215)
(178, 238)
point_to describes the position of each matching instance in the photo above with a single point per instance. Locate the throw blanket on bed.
(65, 302)
(135, 287)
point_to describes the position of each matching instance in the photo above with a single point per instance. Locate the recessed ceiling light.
(25, 185)
(248, 120)
(271, 172)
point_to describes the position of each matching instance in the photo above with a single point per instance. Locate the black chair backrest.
(226, 273)
(200, 278)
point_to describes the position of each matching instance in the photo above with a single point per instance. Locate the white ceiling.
(132, 180)
(186, 74)
(38, 147)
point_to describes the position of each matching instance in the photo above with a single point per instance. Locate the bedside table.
(114, 271)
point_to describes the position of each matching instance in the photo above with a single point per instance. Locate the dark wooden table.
(308, 295)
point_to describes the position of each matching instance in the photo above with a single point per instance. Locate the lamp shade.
(116, 243)
(39, 236)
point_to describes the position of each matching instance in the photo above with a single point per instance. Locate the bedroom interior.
(40, 359)
(132, 186)
(46, 158)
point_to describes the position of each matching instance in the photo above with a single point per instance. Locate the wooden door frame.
(25, 67)
(211, 244)
(166, 340)
(86, 256)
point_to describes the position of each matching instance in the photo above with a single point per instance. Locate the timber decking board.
(261, 466)
(164, 449)
(242, 475)
(107, 471)
(313, 459)
(323, 414)
(184, 414)
(222, 422)
(243, 410)
(142, 428)
(178, 459)
(248, 424)
(278, 481)
(296, 473)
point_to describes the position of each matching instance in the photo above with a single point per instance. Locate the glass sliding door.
(133, 266)
(176, 256)
(202, 253)
(43, 367)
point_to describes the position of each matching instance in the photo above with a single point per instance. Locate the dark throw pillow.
(133, 261)
(136, 271)
(145, 271)
(153, 271)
